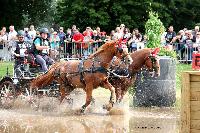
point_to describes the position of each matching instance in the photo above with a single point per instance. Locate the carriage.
(18, 84)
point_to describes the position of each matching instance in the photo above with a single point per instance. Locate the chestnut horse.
(87, 74)
(144, 57)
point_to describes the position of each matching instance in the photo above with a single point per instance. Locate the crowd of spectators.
(71, 42)
(185, 42)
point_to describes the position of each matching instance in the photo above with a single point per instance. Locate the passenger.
(21, 48)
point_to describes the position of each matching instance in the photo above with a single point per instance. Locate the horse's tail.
(44, 79)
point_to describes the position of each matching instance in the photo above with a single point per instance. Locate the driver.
(21, 48)
(41, 50)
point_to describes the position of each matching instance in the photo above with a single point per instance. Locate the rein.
(117, 75)
(110, 71)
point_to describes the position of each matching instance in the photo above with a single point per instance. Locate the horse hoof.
(82, 111)
(108, 107)
(104, 106)
(113, 100)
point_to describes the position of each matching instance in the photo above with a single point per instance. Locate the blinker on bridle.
(153, 61)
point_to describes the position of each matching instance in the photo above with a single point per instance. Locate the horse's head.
(152, 63)
(122, 52)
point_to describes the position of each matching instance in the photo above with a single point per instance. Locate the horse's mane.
(142, 51)
(102, 48)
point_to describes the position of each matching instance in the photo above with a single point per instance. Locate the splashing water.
(53, 117)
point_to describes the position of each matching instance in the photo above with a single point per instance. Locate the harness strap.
(81, 71)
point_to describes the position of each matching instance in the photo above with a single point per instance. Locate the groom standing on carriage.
(41, 49)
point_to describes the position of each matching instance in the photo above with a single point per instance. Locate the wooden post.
(185, 103)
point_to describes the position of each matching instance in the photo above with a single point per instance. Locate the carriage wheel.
(7, 94)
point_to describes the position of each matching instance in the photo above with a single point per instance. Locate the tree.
(106, 13)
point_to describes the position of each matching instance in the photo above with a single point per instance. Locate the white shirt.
(11, 38)
(118, 35)
(32, 34)
(12, 35)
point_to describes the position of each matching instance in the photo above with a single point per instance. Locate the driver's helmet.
(44, 30)
(20, 33)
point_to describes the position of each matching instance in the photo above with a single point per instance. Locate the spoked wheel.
(7, 94)
(32, 98)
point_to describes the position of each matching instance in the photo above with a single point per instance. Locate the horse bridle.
(153, 59)
(120, 50)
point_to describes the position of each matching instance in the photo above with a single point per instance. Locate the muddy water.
(51, 117)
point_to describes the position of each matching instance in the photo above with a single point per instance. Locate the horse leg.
(89, 90)
(107, 85)
(93, 101)
(123, 92)
(118, 92)
(62, 93)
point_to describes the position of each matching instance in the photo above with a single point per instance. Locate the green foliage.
(22, 13)
(105, 14)
(154, 28)
(164, 52)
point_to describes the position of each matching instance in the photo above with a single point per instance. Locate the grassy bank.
(3, 68)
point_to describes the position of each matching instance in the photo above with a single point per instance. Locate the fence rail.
(82, 50)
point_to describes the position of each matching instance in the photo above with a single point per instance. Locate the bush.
(154, 29)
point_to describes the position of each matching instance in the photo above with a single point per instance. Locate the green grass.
(3, 68)
(179, 69)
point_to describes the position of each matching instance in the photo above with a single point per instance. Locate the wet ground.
(54, 118)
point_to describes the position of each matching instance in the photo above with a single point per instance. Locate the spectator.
(62, 36)
(138, 36)
(122, 28)
(78, 39)
(88, 32)
(86, 45)
(126, 34)
(189, 45)
(180, 44)
(132, 45)
(27, 37)
(98, 31)
(3, 44)
(54, 41)
(55, 45)
(118, 34)
(3, 38)
(103, 37)
(170, 35)
(12, 36)
(163, 40)
(145, 40)
(32, 32)
(73, 29)
(196, 30)
(96, 40)
(196, 45)
(112, 35)
(68, 40)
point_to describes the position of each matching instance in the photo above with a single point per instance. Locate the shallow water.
(52, 117)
